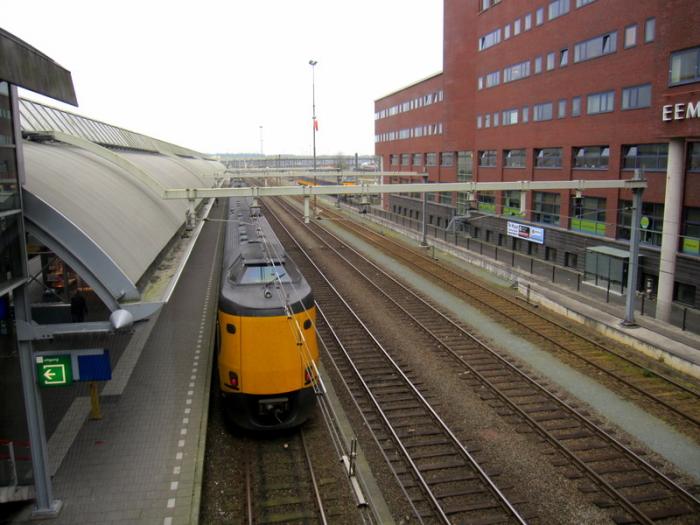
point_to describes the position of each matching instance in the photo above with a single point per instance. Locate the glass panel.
(6, 134)
(9, 196)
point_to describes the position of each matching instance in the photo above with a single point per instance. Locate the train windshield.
(264, 273)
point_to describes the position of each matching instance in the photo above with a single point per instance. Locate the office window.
(490, 39)
(581, 3)
(588, 215)
(548, 158)
(405, 159)
(478, 122)
(510, 117)
(685, 67)
(487, 158)
(480, 83)
(514, 158)
(684, 293)
(417, 159)
(570, 260)
(538, 65)
(464, 167)
(526, 114)
(487, 120)
(493, 79)
(448, 159)
(591, 157)
(575, 106)
(516, 27)
(545, 207)
(510, 201)
(694, 156)
(506, 32)
(601, 103)
(654, 214)
(550, 254)
(516, 71)
(558, 8)
(690, 241)
(595, 47)
(394, 160)
(486, 201)
(528, 22)
(649, 30)
(431, 159)
(652, 157)
(551, 58)
(562, 109)
(542, 112)
(636, 97)
(495, 120)
(539, 16)
(564, 57)
(631, 36)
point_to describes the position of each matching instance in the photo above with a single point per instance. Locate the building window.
(448, 159)
(551, 58)
(487, 120)
(528, 22)
(592, 157)
(690, 241)
(631, 36)
(493, 79)
(550, 254)
(417, 159)
(510, 117)
(581, 3)
(558, 8)
(486, 201)
(464, 166)
(478, 122)
(496, 118)
(394, 160)
(576, 106)
(538, 65)
(405, 159)
(564, 57)
(570, 260)
(510, 201)
(487, 158)
(685, 67)
(431, 159)
(506, 32)
(652, 157)
(636, 97)
(652, 216)
(526, 114)
(588, 215)
(601, 103)
(516, 27)
(514, 158)
(548, 158)
(562, 109)
(684, 293)
(694, 156)
(480, 83)
(542, 112)
(650, 30)
(516, 71)
(539, 16)
(595, 47)
(545, 207)
(490, 39)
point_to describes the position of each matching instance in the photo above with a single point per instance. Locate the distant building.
(563, 90)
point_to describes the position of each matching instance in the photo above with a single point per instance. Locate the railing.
(685, 317)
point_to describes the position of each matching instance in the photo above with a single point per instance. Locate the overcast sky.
(207, 74)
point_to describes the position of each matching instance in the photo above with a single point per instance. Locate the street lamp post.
(261, 142)
(313, 63)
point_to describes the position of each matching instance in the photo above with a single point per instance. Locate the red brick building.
(563, 90)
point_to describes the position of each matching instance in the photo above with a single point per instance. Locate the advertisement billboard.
(523, 231)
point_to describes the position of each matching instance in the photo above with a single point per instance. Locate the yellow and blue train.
(266, 340)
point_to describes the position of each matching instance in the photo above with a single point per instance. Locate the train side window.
(231, 328)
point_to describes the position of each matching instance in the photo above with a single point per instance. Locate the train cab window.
(264, 273)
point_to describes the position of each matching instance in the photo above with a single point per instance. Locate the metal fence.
(684, 317)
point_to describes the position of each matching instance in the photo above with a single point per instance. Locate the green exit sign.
(55, 370)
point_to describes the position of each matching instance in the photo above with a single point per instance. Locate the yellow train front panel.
(267, 355)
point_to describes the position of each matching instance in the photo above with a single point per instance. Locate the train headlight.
(233, 380)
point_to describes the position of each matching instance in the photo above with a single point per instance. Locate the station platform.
(142, 462)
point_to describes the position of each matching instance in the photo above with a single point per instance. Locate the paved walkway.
(142, 462)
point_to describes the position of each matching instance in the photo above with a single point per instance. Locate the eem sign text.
(680, 111)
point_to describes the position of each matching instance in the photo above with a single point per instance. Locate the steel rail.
(670, 484)
(551, 339)
(317, 492)
(485, 478)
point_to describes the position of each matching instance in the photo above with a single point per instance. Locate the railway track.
(643, 381)
(616, 476)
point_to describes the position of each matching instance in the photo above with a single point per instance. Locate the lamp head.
(313, 62)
